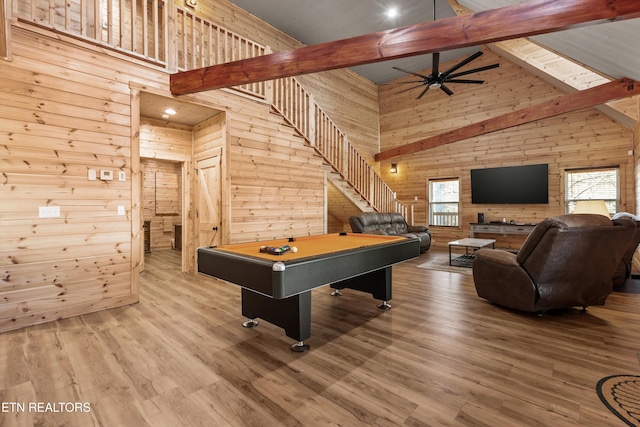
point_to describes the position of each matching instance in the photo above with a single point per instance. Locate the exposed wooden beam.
(535, 17)
(617, 89)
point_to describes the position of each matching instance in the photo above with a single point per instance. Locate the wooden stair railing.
(297, 106)
(175, 38)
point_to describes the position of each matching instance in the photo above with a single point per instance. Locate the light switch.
(92, 175)
(120, 210)
(49, 211)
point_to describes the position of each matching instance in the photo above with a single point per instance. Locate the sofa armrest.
(500, 279)
(417, 229)
(356, 224)
(497, 256)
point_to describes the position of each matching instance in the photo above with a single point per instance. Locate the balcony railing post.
(171, 37)
(312, 119)
(5, 30)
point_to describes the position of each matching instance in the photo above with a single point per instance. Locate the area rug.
(440, 262)
(621, 394)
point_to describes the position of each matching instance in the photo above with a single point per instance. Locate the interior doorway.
(162, 204)
(175, 140)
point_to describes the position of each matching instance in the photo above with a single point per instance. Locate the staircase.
(348, 170)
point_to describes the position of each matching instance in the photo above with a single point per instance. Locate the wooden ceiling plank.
(617, 89)
(531, 18)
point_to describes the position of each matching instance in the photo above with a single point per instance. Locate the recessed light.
(392, 12)
(170, 111)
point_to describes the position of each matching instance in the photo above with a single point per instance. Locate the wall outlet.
(49, 211)
(120, 210)
(122, 176)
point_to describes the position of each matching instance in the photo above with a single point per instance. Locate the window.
(444, 202)
(594, 184)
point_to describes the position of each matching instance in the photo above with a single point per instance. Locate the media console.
(505, 229)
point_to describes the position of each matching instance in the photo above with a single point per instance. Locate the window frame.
(431, 203)
(617, 201)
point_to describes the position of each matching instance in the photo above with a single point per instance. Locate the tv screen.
(510, 185)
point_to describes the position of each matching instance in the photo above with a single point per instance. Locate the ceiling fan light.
(435, 85)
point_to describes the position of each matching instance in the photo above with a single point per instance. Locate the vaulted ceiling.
(612, 49)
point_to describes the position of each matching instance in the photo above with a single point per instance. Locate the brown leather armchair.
(567, 261)
(623, 272)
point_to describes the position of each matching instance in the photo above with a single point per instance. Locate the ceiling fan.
(437, 80)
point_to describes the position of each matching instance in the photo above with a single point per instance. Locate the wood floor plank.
(441, 356)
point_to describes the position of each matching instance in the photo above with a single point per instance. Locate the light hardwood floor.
(440, 356)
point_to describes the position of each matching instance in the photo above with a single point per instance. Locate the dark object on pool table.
(275, 250)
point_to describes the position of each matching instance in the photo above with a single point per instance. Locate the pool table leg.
(293, 314)
(377, 283)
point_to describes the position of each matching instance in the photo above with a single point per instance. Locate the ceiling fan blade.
(476, 82)
(475, 70)
(436, 64)
(406, 90)
(423, 92)
(462, 63)
(446, 89)
(410, 72)
(401, 83)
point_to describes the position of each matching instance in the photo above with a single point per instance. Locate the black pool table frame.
(280, 291)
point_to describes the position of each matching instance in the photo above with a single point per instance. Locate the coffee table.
(467, 259)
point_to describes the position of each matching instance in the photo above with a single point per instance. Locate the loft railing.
(201, 43)
(137, 28)
(176, 39)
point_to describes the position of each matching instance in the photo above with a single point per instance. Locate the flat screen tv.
(510, 185)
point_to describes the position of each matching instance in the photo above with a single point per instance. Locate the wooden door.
(209, 206)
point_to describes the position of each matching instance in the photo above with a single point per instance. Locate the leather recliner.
(623, 272)
(567, 261)
(390, 223)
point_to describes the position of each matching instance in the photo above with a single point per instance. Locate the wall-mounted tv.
(510, 185)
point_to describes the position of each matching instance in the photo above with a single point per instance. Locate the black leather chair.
(567, 261)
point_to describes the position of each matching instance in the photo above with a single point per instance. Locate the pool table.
(277, 288)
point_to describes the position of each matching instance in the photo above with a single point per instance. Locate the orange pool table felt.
(309, 246)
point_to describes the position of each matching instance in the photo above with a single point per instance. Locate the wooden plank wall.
(585, 138)
(277, 184)
(165, 140)
(65, 107)
(62, 115)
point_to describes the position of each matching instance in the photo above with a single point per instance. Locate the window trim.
(459, 202)
(619, 184)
